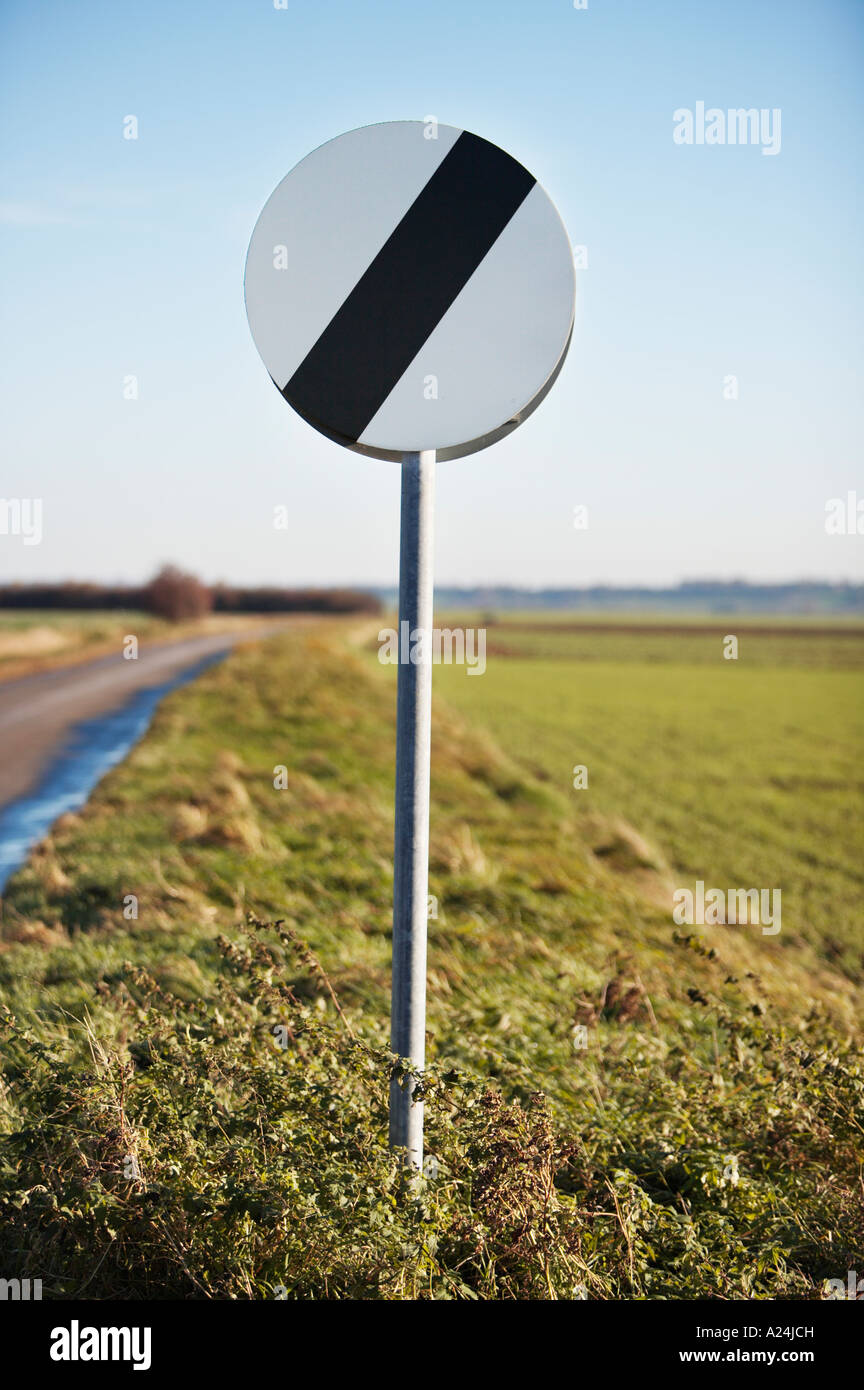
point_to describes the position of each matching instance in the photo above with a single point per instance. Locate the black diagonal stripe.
(397, 302)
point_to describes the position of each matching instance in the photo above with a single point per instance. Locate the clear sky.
(125, 257)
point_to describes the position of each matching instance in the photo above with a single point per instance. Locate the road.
(38, 712)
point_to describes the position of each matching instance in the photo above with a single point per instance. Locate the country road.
(37, 713)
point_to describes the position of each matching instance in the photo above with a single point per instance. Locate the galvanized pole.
(411, 846)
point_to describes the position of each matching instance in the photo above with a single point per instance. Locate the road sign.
(410, 288)
(411, 293)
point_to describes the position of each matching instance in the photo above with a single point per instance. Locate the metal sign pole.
(411, 843)
(382, 260)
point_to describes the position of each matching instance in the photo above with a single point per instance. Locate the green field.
(618, 1108)
(742, 772)
(97, 623)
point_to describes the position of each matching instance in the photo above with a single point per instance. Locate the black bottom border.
(232, 1338)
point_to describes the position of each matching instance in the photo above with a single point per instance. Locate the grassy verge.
(34, 640)
(615, 1110)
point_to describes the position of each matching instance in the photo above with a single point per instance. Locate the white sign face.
(408, 292)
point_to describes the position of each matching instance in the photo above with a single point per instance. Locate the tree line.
(178, 597)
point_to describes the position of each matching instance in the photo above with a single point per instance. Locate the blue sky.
(126, 258)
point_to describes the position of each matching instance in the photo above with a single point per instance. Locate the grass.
(33, 639)
(617, 1109)
(741, 773)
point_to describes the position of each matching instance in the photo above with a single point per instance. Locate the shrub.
(176, 596)
(236, 1148)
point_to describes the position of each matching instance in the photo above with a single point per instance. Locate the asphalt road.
(38, 712)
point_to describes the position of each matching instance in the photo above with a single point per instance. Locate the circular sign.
(410, 286)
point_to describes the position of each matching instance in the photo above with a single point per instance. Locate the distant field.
(35, 639)
(32, 639)
(67, 621)
(592, 618)
(743, 773)
(688, 639)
